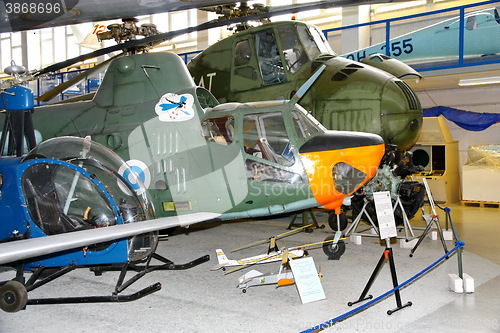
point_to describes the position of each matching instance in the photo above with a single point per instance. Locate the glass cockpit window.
(206, 99)
(303, 125)
(294, 53)
(270, 63)
(321, 41)
(314, 42)
(265, 136)
(60, 200)
(219, 130)
(242, 53)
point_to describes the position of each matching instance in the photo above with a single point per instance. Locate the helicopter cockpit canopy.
(300, 43)
(314, 41)
(74, 184)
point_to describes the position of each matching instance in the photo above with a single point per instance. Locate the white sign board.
(385, 214)
(307, 280)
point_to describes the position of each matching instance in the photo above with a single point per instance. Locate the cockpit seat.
(46, 211)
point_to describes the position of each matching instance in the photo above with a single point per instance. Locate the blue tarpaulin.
(472, 121)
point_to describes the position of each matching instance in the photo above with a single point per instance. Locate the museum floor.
(478, 228)
(201, 300)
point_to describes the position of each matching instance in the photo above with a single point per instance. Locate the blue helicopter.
(65, 205)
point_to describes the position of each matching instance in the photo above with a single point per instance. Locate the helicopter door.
(49, 188)
(270, 161)
(271, 67)
(293, 51)
(244, 69)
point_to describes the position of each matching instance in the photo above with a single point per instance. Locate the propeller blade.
(287, 233)
(65, 85)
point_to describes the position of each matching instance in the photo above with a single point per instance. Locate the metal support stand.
(387, 255)
(356, 221)
(430, 220)
(305, 220)
(409, 234)
(406, 222)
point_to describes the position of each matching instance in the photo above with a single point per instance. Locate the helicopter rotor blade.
(257, 261)
(65, 85)
(284, 254)
(318, 243)
(159, 38)
(237, 268)
(305, 87)
(250, 245)
(287, 233)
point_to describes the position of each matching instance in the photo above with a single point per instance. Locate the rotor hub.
(127, 31)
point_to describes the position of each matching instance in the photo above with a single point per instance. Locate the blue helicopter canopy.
(71, 184)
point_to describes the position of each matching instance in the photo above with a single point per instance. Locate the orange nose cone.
(339, 163)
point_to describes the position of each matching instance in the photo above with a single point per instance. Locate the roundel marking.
(136, 170)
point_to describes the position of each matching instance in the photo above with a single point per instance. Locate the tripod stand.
(386, 255)
(430, 220)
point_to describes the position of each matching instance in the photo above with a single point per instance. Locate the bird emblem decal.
(173, 107)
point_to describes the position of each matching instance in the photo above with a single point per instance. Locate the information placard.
(307, 280)
(385, 214)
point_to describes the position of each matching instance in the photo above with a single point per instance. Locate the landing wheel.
(13, 296)
(332, 221)
(333, 251)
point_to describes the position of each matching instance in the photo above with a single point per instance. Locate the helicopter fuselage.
(46, 195)
(194, 154)
(272, 61)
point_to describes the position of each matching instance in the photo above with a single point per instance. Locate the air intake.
(345, 72)
(412, 99)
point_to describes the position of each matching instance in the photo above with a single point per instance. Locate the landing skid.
(97, 299)
(13, 294)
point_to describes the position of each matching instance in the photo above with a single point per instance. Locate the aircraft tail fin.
(221, 258)
(305, 87)
(90, 40)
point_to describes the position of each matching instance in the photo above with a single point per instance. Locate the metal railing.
(388, 32)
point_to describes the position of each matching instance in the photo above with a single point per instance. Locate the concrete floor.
(200, 300)
(478, 312)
